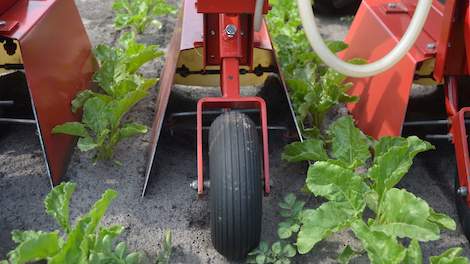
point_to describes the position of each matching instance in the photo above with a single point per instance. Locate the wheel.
(336, 7)
(463, 210)
(235, 187)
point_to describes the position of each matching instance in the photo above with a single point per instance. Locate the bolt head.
(231, 30)
(2, 23)
(431, 45)
(462, 191)
(392, 5)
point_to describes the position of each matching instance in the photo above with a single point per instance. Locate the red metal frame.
(445, 38)
(201, 27)
(233, 51)
(58, 64)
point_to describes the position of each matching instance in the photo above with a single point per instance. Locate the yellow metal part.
(424, 73)
(10, 59)
(193, 60)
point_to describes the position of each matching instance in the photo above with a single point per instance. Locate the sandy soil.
(170, 203)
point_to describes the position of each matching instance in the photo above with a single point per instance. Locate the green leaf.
(260, 259)
(451, 256)
(80, 99)
(337, 46)
(133, 258)
(132, 129)
(309, 150)
(276, 248)
(347, 254)
(442, 220)
(336, 183)
(320, 223)
(165, 255)
(414, 255)
(386, 143)
(99, 209)
(86, 144)
(76, 248)
(389, 168)
(57, 204)
(96, 115)
(349, 144)
(381, 248)
(120, 107)
(71, 128)
(404, 215)
(34, 246)
(121, 250)
(289, 251)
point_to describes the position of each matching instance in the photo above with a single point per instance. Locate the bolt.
(231, 30)
(392, 5)
(462, 191)
(194, 185)
(212, 32)
(2, 23)
(431, 46)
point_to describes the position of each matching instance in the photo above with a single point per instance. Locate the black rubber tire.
(463, 210)
(236, 187)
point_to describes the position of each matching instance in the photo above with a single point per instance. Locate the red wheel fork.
(230, 43)
(458, 132)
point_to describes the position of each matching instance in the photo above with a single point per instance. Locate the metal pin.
(194, 185)
(431, 46)
(462, 191)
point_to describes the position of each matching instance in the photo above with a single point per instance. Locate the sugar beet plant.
(357, 177)
(85, 242)
(139, 14)
(314, 88)
(121, 88)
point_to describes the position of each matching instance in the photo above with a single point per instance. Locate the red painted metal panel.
(467, 38)
(228, 6)
(383, 98)
(451, 42)
(165, 85)
(6, 4)
(58, 63)
(193, 29)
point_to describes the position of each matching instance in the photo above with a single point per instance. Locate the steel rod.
(213, 112)
(7, 103)
(18, 121)
(430, 123)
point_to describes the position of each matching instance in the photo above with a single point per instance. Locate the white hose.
(367, 70)
(258, 18)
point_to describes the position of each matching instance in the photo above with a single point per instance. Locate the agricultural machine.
(409, 41)
(42, 67)
(226, 43)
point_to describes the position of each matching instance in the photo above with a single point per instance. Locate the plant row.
(354, 175)
(120, 84)
(120, 87)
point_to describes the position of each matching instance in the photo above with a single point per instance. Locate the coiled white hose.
(367, 70)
